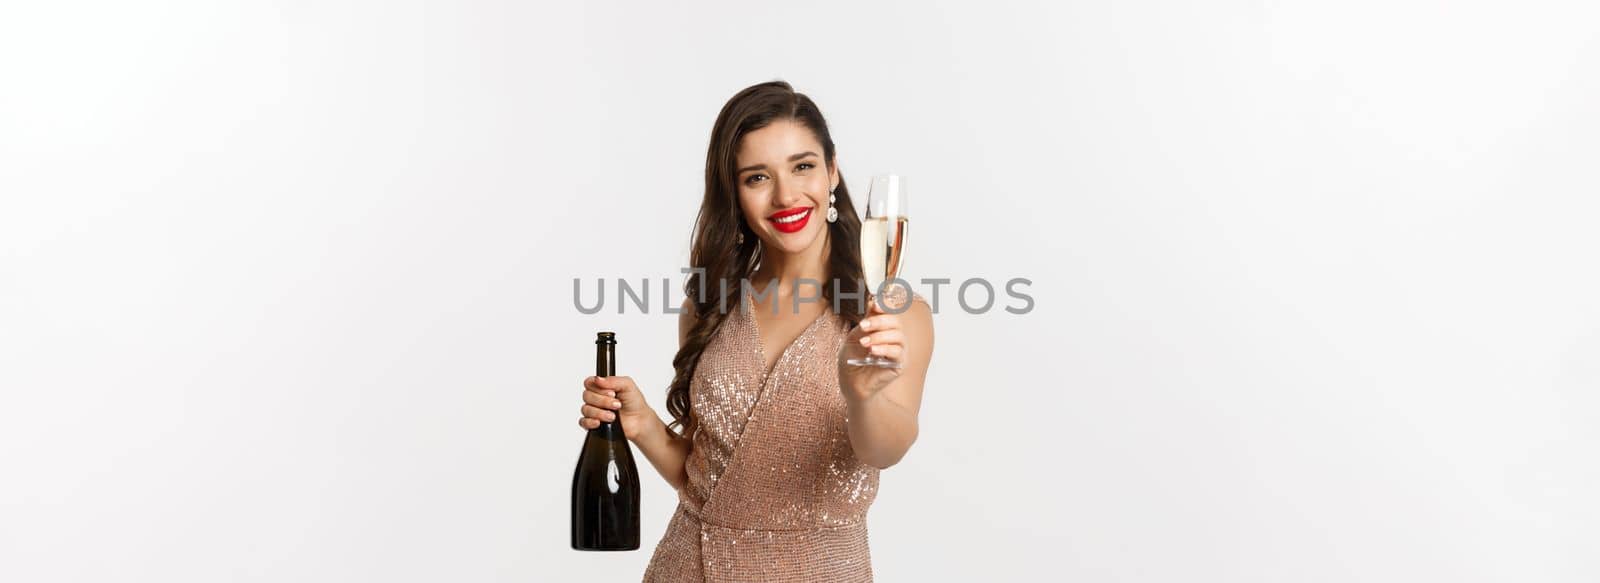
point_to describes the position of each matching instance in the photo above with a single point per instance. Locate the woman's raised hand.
(879, 335)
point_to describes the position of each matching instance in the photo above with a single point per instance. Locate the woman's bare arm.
(665, 451)
(881, 405)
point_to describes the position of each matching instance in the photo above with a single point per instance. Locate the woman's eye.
(805, 166)
(753, 177)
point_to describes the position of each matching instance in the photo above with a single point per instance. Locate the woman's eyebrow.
(764, 166)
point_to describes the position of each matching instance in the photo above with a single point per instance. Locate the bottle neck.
(605, 365)
(605, 360)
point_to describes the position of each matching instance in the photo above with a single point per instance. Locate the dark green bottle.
(605, 488)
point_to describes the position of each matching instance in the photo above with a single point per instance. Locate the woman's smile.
(790, 220)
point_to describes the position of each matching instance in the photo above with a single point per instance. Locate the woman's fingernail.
(866, 324)
(866, 340)
(616, 404)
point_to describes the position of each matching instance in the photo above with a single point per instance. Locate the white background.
(285, 287)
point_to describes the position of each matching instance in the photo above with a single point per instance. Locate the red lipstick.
(790, 220)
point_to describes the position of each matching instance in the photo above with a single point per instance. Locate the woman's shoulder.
(897, 304)
(920, 311)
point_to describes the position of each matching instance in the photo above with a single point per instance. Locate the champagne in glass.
(882, 240)
(883, 243)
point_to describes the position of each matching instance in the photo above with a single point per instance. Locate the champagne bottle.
(605, 488)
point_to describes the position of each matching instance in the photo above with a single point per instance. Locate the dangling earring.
(740, 238)
(833, 213)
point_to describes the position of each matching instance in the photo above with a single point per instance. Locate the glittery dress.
(774, 491)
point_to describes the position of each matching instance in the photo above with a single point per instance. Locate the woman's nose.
(787, 193)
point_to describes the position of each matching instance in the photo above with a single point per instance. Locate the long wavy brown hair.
(716, 253)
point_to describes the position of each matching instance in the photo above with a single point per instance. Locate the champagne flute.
(883, 242)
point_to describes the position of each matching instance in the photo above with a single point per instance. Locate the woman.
(775, 441)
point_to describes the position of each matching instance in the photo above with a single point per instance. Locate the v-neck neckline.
(761, 346)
